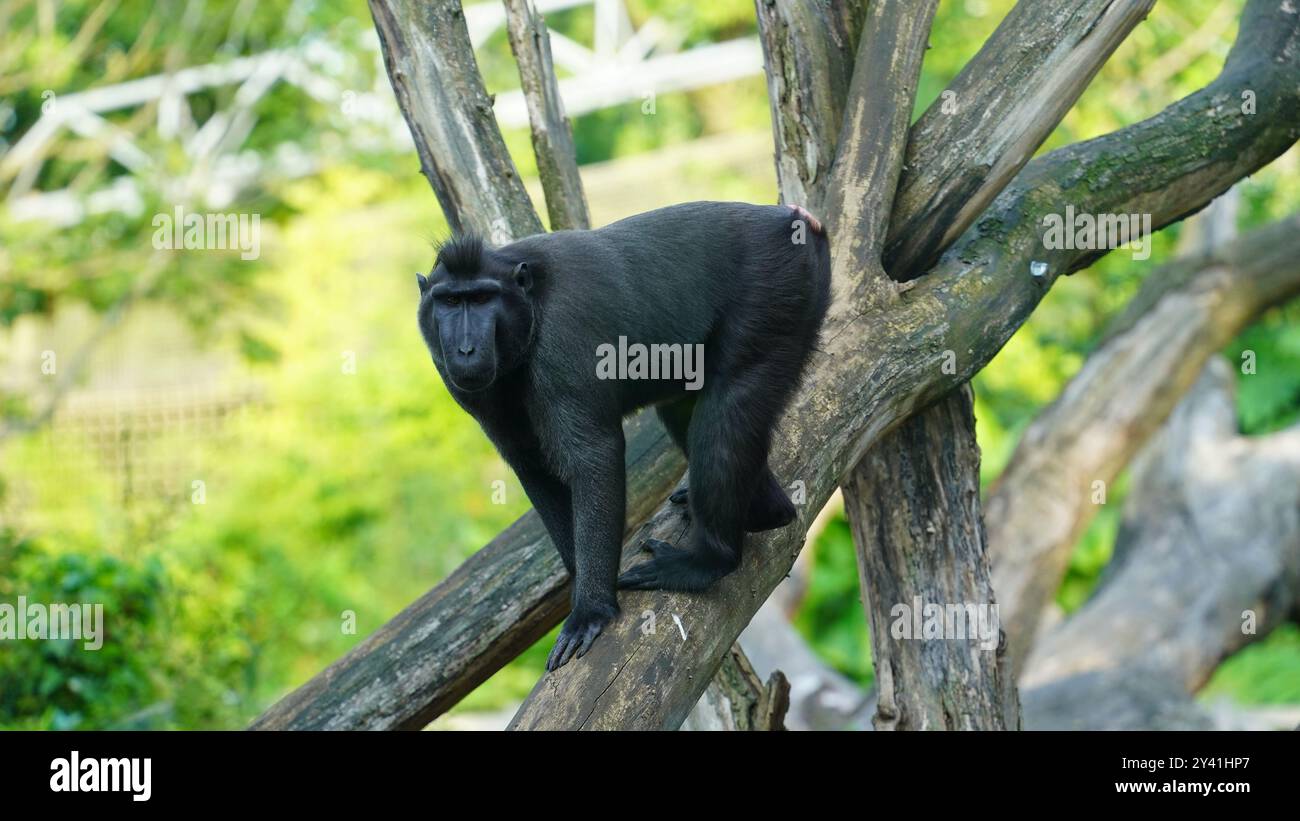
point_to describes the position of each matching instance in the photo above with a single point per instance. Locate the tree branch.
(557, 163)
(737, 699)
(1047, 495)
(869, 152)
(998, 111)
(436, 79)
(808, 50)
(820, 697)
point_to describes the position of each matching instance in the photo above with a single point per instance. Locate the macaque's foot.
(672, 568)
(647, 576)
(576, 636)
(770, 509)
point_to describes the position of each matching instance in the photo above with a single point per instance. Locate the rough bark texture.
(436, 79)
(859, 386)
(925, 548)
(859, 196)
(808, 49)
(737, 699)
(1048, 493)
(999, 109)
(1211, 533)
(557, 163)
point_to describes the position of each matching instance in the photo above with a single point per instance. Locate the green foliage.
(831, 614)
(1269, 398)
(1267, 672)
(59, 684)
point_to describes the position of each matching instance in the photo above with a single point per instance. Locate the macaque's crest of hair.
(462, 254)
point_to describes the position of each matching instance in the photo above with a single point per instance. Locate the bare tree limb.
(809, 50)
(998, 110)
(820, 697)
(737, 698)
(1049, 491)
(868, 157)
(436, 79)
(1207, 561)
(557, 162)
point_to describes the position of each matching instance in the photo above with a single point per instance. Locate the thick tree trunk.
(1059, 475)
(921, 560)
(1207, 560)
(882, 358)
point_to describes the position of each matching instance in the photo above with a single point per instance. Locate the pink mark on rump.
(802, 213)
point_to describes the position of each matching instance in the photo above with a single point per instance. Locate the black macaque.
(521, 335)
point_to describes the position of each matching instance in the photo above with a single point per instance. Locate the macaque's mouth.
(471, 383)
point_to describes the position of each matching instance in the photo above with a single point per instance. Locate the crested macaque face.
(477, 324)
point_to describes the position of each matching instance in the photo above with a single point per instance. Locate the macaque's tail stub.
(804, 214)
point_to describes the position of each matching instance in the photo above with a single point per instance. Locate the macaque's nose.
(466, 346)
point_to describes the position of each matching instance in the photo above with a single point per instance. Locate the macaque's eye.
(451, 300)
(480, 299)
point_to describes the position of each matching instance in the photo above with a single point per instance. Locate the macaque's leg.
(598, 488)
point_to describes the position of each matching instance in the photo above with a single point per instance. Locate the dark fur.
(519, 353)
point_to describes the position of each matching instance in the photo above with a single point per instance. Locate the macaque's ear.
(523, 276)
(423, 281)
